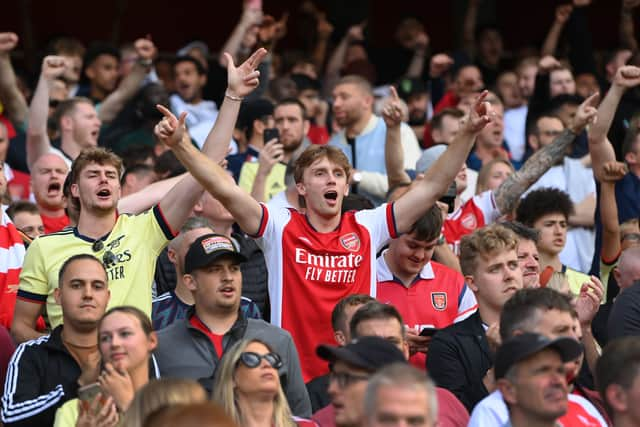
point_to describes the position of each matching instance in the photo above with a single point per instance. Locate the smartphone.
(269, 134)
(89, 392)
(428, 332)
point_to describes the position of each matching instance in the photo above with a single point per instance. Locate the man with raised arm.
(128, 245)
(316, 259)
(77, 118)
(602, 151)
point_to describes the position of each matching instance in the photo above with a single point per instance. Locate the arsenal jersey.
(309, 271)
(437, 298)
(475, 213)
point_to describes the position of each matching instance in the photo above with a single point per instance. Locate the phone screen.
(89, 392)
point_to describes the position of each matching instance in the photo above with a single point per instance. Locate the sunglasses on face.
(252, 360)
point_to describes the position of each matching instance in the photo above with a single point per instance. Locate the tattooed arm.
(510, 191)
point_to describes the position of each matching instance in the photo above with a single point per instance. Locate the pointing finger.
(166, 113)
(394, 93)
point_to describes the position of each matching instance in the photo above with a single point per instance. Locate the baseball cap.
(409, 86)
(429, 157)
(522, 346)
(370, 353)
(209, 248)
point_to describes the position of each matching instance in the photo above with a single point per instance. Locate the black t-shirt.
(624, 319)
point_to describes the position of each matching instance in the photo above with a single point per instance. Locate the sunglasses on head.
(252, 360)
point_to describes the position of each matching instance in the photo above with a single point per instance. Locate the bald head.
(628, 270)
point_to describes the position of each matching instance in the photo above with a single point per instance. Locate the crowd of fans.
(331, 237)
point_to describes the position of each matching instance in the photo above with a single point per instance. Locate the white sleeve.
(380, 222)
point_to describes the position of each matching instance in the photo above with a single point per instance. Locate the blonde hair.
(224, 391)
(484, 242)
(161, 393)
(485, 172)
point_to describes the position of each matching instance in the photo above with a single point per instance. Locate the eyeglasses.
(252, 360)
(345, 379)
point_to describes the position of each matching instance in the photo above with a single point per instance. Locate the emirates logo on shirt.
(350, 242)
(439, 300)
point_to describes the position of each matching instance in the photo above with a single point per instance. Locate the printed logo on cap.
(216, 243)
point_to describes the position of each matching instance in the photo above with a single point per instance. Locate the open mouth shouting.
(53, 189)
(104, 194)
(331, 197)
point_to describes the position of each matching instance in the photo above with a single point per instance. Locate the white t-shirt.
(575, 179)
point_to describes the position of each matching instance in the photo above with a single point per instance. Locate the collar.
(385, 274)
(237, 329)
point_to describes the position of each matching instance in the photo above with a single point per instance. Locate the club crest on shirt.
(439, 300)
(469, 221)
(350, 242)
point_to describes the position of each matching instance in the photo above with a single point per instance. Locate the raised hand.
(563, 12)
(242, 80)
(323, 27)
(270, 154)
(479, 116)
(588, 302)
(145, 48)
(586, 113)
(117, 383)
(627, 76)
(613, 171)
(356, 32)
(439, 64)
(8, 42)
(548, 63)
(392, 111)
(170, 130)
(53, 67)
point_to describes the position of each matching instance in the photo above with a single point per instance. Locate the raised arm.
(10, 96)
(38, 142)
(233, 45)
(469, 28)
(600, 149)
(393, 152)
(510, 191)
(415, 202)
(550, 44)
(177, 204)
(130, 85)
(336, 60)
(611, 172)
(416, 66)
(627, 30)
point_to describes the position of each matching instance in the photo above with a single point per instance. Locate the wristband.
(233, 97)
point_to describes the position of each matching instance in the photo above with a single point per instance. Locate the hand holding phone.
(88, 392)
(269, 134)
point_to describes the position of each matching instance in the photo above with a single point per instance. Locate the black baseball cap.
(410, 86)
(370, 353)
(209, 248)
(520, 347)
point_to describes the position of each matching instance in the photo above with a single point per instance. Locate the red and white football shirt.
(437, 298)
(309, 271)
(475, 213)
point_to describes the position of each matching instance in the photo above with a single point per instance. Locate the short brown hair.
(352, 79)
(68, 107)
(97, 155)
(483, 242)
(68, 46)
(315, 152)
